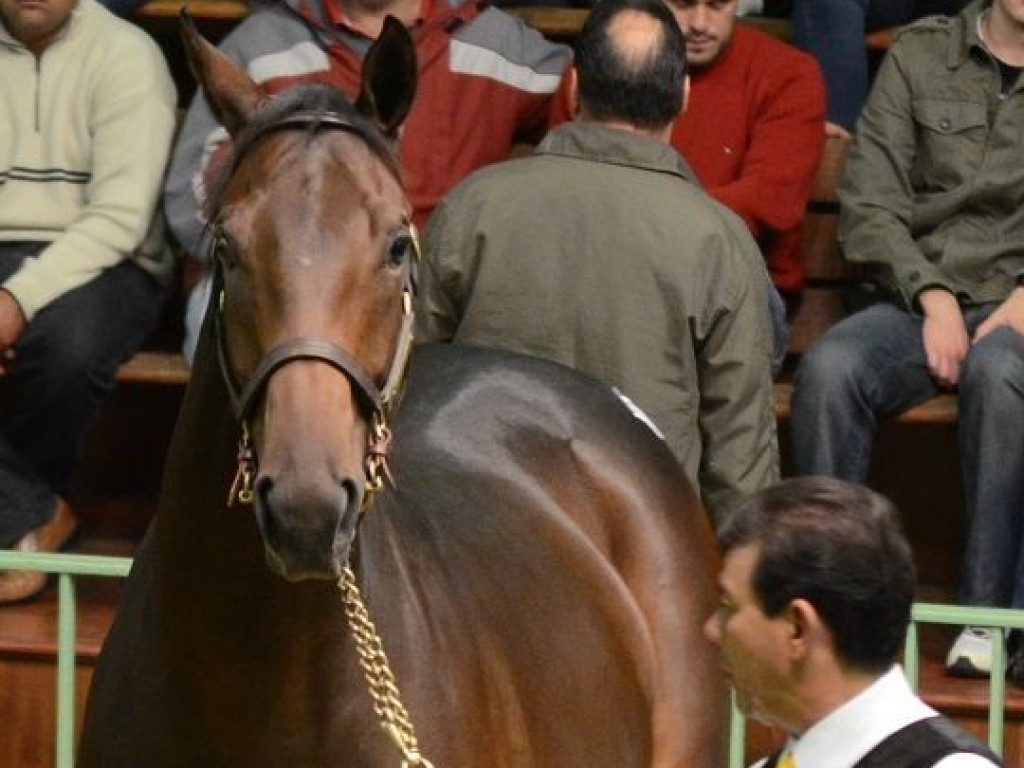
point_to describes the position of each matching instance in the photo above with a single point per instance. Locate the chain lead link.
(380, 681)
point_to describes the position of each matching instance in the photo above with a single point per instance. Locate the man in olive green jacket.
(601, 252)
(933, 196)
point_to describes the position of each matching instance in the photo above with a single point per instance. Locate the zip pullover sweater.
(485, 83)
(85, 132)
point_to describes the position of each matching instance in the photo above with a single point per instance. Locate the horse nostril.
(347, 523)
(264, 488)
(264, 485)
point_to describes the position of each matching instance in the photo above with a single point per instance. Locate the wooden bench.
(169, 369)
(151, 367)
(939, 410)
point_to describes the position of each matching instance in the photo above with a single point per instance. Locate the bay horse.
(536, 565)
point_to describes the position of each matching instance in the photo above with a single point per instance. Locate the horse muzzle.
(307, 529)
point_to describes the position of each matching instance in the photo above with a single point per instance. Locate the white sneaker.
(971, 654)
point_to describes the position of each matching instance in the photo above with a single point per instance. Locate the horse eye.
(398, 251)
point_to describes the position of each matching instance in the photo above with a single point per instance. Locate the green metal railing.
(933, 613)
(997, 618)
(68, 566)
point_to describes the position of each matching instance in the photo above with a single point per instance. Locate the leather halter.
(375, 401)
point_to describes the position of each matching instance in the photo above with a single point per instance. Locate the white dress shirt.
(858, 726)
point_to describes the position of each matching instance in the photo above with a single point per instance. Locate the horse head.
(314, 250)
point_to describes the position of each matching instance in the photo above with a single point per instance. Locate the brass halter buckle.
(378, 444)
(241, 486)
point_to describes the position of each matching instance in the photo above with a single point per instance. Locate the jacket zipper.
(39, 77)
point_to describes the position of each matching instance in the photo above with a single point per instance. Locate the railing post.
(67, 566)
(911, 657)
(737, 733)
(66, 672)
(997, 692)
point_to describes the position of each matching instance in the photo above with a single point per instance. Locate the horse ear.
(231, 94)
(389, 77)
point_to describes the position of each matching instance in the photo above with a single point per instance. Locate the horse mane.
(310, 99)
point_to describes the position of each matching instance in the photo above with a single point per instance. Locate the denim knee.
(994, 368)
(62, 363)
(833, 364)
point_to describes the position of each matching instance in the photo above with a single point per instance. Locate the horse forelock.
(313, 99)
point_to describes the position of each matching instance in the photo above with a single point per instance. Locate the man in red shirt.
(753, 129)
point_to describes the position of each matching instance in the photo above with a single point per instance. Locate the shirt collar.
(592, 141)
(848, 733)
(336, 15)
(966, 34)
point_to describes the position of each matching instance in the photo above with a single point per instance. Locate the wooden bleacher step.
(28, 667)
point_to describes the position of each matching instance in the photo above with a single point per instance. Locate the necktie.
(786, 761)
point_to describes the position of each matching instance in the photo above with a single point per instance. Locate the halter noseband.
(375, 401)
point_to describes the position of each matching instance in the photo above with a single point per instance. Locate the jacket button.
(914, 276)
(945, 124)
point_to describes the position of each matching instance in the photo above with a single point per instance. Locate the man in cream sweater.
(86, 122)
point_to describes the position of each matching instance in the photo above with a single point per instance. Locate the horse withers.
(537, 566)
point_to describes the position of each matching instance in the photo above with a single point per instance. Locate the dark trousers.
(65, 363)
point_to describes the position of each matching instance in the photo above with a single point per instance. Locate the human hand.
(1010, 313)
(12, 325)
(944, 334)
(836, 131)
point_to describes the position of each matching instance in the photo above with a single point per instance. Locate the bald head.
(631, 64)
(635, 37)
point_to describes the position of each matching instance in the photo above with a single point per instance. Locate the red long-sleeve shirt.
(753, 132)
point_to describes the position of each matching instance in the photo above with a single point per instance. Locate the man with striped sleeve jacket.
(485, 84)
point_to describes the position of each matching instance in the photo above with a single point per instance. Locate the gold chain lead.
(387, 702)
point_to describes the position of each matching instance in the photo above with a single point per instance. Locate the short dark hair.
(839, 546)
(642, 87)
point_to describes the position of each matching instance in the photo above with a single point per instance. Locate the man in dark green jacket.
(933, 197)
(601, 252)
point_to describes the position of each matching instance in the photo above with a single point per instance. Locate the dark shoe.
(51, 537)
(1015, 666)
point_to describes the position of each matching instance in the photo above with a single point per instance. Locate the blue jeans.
(833, 32)
(780, 328)
(872, 366)
(65, 364)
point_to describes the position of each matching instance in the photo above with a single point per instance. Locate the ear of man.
(574, 92)
(807, 630)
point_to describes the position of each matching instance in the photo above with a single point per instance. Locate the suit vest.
(918, 745)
